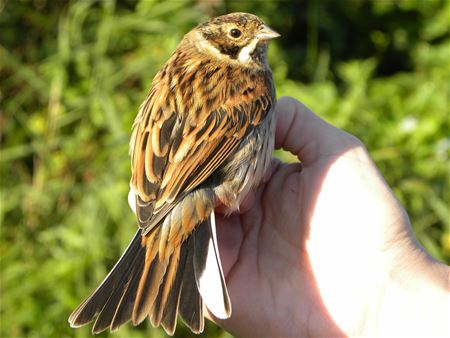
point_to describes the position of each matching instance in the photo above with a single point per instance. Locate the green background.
(73, 74)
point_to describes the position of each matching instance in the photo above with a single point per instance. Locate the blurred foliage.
(73, 74)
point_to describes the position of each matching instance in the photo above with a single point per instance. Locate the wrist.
(414, 300)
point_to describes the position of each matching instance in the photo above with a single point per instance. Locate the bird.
(203, 137)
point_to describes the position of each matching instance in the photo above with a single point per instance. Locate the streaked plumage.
(203, 136)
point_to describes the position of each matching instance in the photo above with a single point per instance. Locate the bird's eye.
(235, 33)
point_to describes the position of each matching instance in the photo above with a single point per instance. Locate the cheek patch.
(245, 55)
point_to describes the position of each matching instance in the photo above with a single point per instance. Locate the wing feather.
(180, 140)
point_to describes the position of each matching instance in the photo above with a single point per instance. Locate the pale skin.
(325, 248)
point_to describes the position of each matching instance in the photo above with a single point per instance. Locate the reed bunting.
(203, 136)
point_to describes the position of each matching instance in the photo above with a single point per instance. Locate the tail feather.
(125, 308)
(141, 285)
(153, 269)
(148, 290)
(164, 289)
(169, 318)
(90, 307)
(107, 314)
(191, 304)
(208, 270)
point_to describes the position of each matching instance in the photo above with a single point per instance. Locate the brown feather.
(191, 304)
(166, 286)
(203, 134)
(152, 271)
(169, 318)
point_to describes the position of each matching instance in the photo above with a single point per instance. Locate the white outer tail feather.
(211, 282)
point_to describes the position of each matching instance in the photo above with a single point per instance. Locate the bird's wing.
(185, 130)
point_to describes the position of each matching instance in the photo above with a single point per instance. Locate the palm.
(263, 253)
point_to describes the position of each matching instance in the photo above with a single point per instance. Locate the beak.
(267, 33)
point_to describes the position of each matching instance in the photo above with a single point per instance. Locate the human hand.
(322, 245)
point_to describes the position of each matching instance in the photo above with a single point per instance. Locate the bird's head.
(235, 37)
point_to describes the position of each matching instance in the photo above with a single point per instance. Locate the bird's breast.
(247, 166)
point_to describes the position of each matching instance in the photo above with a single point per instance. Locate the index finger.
(305, 134)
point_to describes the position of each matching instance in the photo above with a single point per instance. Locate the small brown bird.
(203, 137)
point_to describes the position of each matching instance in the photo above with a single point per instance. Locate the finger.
(229, 238)
(247, 202)
(221, 209)
(306, 135)
(245, 205)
